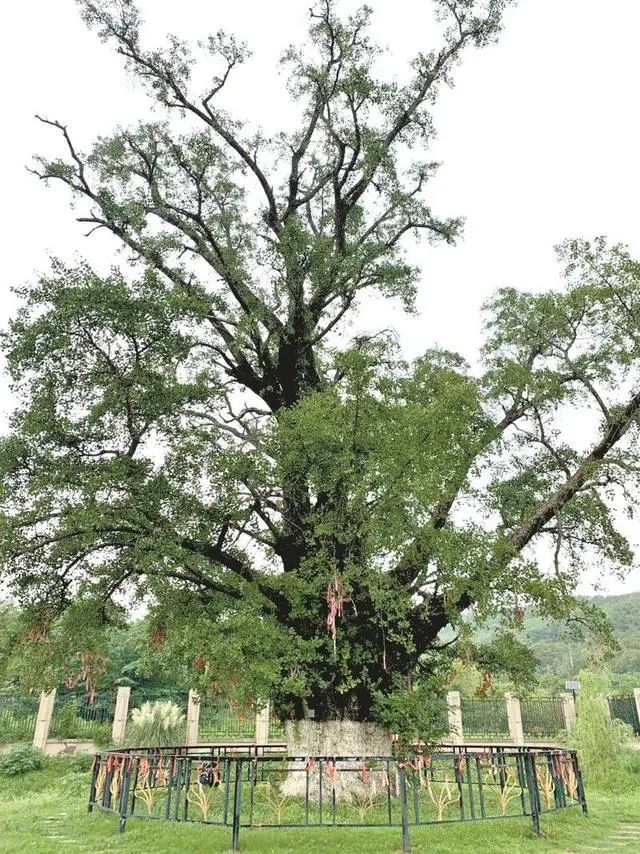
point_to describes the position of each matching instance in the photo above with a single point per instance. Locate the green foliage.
(418, 714)
(508, 657)
(605, 745)
(20, 759)
(157, 724)
(9, 627)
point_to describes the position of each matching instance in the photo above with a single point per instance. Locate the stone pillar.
(454, 714)
(262, 724)
(569, 711)
(514, 715)
(43, 721)
(193, 718)
(120, 715)
(636, 697)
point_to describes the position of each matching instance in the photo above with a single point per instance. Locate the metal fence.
(80, 716)
(625, 709)
(542, 716)
(484, 717)
(446, 785)
(221, 721)
(276, 726)
(18, 716)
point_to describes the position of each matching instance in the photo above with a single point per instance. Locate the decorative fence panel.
(246, 791)
(542, 716)
(625, 709)
(79, 716)
(484, 717)
(222, 721)
(17, 717)
(276, 727)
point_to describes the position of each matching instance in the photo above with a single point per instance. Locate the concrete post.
(636, 697)
(193, 718)
(43, 721)
(569, 711)
(262, 724)
(120, 715)
(514, 715)
(454, 715)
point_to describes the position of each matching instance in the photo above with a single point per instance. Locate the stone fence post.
(120, 715)
(262, 724)
(569, 711)
(636, 697)
(454, 715)
(43, 721)
(193, 718)
(514, 715)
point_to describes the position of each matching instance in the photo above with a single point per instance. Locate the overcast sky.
(539, 138)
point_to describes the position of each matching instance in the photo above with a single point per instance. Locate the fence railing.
(445, 785)
(79, 716)
(66, 715)
(626, 709)
(18, 716)
(542, 717)
(221, 721)
(484, 718)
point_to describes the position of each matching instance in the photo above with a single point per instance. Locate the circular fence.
(251, 788)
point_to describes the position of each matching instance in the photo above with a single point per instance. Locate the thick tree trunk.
(348, 779)
(336, 738)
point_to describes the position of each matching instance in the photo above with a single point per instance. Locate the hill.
(561, 656)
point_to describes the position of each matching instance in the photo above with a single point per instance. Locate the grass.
(45, 812)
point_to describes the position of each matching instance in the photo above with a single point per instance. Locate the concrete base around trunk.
(308, 739)
(336, 738)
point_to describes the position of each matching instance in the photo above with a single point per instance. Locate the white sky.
(539, 139)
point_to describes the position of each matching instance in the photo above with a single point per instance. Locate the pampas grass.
(156, 724)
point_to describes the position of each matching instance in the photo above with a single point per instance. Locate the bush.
(419, 714)
(79, 762)
(157, 724)
(21, 759)
(605, 746)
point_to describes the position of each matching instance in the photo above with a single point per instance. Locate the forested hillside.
(561, 656)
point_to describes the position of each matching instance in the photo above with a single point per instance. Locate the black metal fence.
(542, 716)
(17, 717)
(255, 791)
(484, 717)
(80, 716)
(625, 709)
(221, 720)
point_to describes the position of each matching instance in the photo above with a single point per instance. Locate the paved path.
(626, 837)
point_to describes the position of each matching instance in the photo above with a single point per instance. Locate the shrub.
(157, 724)
(419, 714)
(79, 762)
(605, 746)
(21, 759)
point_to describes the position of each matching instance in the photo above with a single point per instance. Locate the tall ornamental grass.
(156, 724)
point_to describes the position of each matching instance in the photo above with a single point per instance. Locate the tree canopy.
(303, 512)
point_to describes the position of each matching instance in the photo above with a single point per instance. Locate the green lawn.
(45, 811)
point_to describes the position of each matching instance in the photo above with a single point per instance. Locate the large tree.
(303, 513)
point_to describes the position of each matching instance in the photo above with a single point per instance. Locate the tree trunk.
(307, 740)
